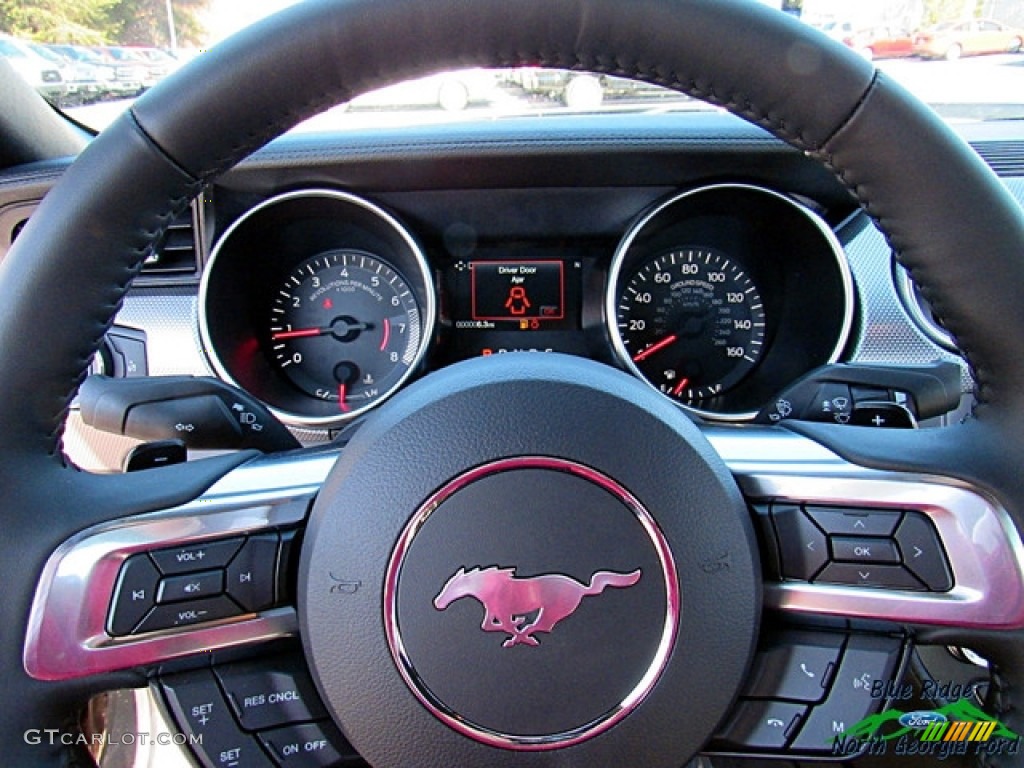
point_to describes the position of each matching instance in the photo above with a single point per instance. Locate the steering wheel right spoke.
(847, 541)
(852, 557)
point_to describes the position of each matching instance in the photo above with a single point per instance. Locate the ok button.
(863, 549)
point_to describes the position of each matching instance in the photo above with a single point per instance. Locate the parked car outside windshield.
(919, 44)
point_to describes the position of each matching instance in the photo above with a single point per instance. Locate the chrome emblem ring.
(524, 607)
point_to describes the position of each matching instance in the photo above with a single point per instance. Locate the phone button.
(795, 665)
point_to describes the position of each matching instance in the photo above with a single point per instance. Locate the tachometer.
(691, 322)
(320, 304)
(344, 327)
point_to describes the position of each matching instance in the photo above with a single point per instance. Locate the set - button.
(197, 583)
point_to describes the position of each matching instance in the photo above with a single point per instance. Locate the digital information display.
(529, 293)
(503, 304)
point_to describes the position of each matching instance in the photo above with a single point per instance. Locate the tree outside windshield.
(90, 58)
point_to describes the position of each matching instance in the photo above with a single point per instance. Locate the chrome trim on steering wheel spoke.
(67, 635)
(984, 550)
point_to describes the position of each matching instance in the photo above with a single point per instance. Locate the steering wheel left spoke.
(212, 573)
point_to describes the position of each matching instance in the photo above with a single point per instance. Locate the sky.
(226, 17)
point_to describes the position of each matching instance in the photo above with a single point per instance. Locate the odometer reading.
(345, 329)
(691, 323)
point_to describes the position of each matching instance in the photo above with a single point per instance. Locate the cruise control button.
(923, 553)
(272, 693)
(761, 725)
(797, 665)
(200, 709)
(135, 594)
(190, 586)
(187, 614)
(869, 575)
(250, 577)
(196, 557)
(854, 549)
(855, 522)
(868, 664)
(803, 547)
(311, 745)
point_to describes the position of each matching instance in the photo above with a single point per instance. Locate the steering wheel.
(444, 465)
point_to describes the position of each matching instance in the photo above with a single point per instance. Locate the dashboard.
(699, 254)
(326, 273)
(322, 304)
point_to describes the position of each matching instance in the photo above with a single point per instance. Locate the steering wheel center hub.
(561, 612)
(520, 583)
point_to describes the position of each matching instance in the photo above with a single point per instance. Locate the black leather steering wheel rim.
(946, 215)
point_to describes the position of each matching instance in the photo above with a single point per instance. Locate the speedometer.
(691, 322)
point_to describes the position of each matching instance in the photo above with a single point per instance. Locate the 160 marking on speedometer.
(692, 323)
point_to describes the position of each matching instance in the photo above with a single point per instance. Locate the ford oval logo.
(921, 719)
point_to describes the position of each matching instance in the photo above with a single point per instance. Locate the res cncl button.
(265, 697)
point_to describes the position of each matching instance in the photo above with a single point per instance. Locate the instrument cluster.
(323, 304)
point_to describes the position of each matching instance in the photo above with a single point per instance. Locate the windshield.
(91, 58)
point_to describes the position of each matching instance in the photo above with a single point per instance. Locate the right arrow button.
(923, 553)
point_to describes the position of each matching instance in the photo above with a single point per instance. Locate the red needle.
(678, 389)
(301, 333)
(641, 356)
(342, 394)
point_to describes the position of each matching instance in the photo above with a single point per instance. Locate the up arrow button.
(855, 522)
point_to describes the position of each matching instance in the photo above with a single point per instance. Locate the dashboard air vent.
(1006, 158)
(176, 255)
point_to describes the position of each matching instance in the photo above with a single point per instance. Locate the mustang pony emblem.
(509, 602)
